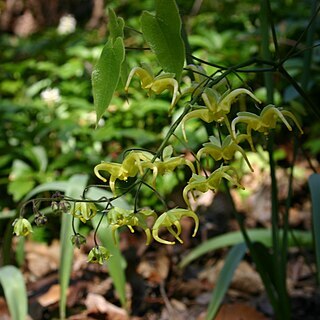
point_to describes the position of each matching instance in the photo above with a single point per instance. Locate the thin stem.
(255, 256)
(288, 201)
(157, 193)
(99, 223)
(300, 90)
(279, 261)
(73, 225)
(272, 27)
(307, 59)
(311, 21)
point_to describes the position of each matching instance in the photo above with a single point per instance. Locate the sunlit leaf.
(116, 25)
(162, 31)
(106, 74)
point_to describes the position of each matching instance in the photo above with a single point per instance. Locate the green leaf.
(233, 259)
(304, 238)
(48, 186)
(116, 25)
(14, 288)
(38, 155)
(106, 74)
(163, 34)
(314, 185)
(19, 188)
(74, 189)
(21, 179)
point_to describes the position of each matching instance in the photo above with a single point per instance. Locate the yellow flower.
(21, 227)
(224, 151)
(130, 167)
(156, 84)
(216, 107)
(172, 219)
(203, 184)
(267, 120)
(84, 211)
(166, 164)
(118, 217)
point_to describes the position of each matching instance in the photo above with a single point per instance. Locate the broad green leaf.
(12, 282)
(20, 187)
(162, 31)
(314, 185)
(106, 74)
(116, 25)
(233, 259)
(303, 238)
(74, 189)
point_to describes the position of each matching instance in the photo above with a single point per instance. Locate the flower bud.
(98, 254)
(40, 219)
(78, 240)
(21, 227)
(84, 211)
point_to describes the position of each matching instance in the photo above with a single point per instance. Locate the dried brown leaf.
(97, 303)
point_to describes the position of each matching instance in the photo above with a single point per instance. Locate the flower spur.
(156, 84)
(267, 120)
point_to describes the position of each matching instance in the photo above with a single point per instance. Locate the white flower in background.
(50, 96)
(67, 24)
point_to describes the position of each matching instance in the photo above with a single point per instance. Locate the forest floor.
(158, 289)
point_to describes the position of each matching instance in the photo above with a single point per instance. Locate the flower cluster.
(138, 162)
(211, 104)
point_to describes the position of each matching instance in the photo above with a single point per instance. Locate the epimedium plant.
(195, 95)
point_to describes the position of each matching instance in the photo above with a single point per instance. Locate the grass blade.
(304, 238)
(75, 186)
(15, 292)
(314, 185)
(233, 259)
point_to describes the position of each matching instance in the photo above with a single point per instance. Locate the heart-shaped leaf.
(163, 34)
(106, 74)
